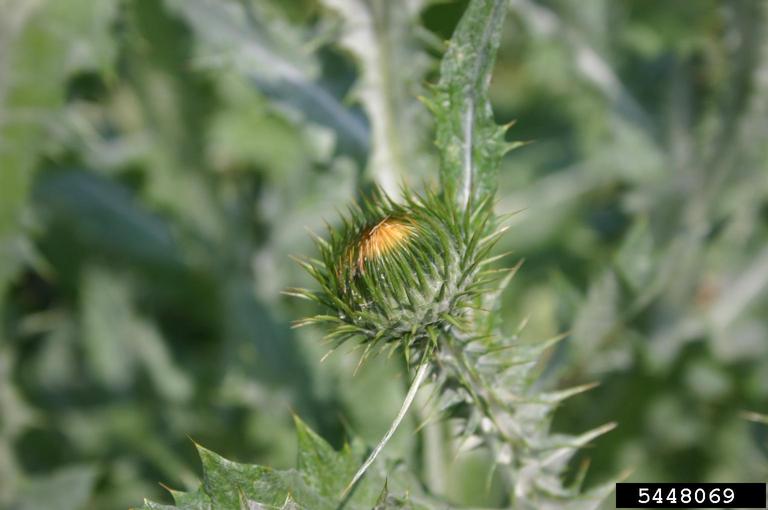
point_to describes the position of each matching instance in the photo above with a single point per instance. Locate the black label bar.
(691, 495)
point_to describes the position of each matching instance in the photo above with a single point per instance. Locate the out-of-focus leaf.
(66, 489)
(108, 331)
(471, 144)
(104, 215)
(261, 339)
(269, 53)
(741, 291)
(244, 132)
(381, 35)
(589, 64)
(175, 106)
(41, 44)
(598, 316)
(118, 341)
(16, 416)
(635, 256)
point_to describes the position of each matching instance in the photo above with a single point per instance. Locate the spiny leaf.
(471, 144)
(316, 484)
(326, 469)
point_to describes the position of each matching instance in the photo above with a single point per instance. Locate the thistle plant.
(415, 274)
(402, 276)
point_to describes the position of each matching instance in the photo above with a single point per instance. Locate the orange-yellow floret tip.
(380, 239)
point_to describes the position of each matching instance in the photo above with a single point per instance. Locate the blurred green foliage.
(160, 161)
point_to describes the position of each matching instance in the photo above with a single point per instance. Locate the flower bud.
(400, 272)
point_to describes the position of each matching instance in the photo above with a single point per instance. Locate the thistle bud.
(400, 273)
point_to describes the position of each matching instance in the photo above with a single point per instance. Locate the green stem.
(421, 375)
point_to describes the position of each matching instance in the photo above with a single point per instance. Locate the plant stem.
(421, 374)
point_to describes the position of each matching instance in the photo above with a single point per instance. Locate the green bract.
(400, 273)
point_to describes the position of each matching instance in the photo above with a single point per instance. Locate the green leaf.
(41, 44)
(105, 217)
(471, 144)
(597, 319)
(634, 258)
(316, 484)
(117, 340)
(274, 57)
(327, 470)
(66, 489)
(381, 35)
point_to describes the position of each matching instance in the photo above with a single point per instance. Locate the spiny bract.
(400, 273)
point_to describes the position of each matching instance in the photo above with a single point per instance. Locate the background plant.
(157, 166)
